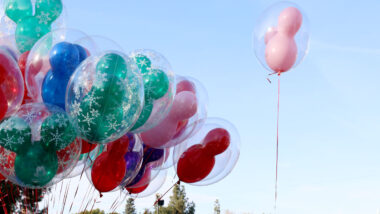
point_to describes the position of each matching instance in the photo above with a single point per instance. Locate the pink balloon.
(184, 107)
(281, 49)
(269, 34)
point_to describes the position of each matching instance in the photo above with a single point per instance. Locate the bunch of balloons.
(72, 103)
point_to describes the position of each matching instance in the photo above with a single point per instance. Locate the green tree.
(216, 207)
(130, 206)
(97, 211)
(179, 203)
(146, 211)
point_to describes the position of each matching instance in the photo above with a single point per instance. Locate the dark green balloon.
(47, 11)
(112, 64)
(15, 134)
(18, 9)
(57, 132)
(37, 166)
(28, 32)
(143, 62)
(145, 114)
(156, 83)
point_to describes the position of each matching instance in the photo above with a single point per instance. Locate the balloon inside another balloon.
(281, 37)
(39, 146)
(105, 97)
(51, 63)
(150, 168)
(189, 107)
(209, 155)
(11, 84)
(31, 20)
(149, 189)
(159, 88)
(118, 163)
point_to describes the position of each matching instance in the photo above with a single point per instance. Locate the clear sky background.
(330, 120)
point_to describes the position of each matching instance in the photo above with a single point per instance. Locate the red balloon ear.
(185, 85)
(118, 148)
(138, 189)
(195, 164)
(217, 141)
(87, 147)
(107, 173)
(3, 105)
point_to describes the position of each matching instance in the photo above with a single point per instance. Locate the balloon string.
(158, 199)
(2, 201)
(278, 119)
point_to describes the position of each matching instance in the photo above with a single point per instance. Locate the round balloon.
(281, 37)
(39, 146)
(11, 84)
(159, 88)
(105, 97)
(209, 155)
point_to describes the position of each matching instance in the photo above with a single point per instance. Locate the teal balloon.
(47, 11)
(37, 166)
(57, 132)
(144, 116)
(15, 134)
(18, 9)
(112, 64)
(156, 83)
(143, 62)
(28, 32)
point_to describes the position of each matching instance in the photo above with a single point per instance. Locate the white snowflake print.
(110, 117)
(113, 126)
(8, 141)
(43, 18)
(29, 116)
(84, 132)
(62, 120)
(76, 109)
(7, 125)
(56, 138)
(88, 119)
(92, 99)
(142, 62)
(94, 113)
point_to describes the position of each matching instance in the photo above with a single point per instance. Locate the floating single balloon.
(209, 155)
(105, 97)
(43, 143)
(11, 84)
(159, 88)
(51, 63)
(281, 37)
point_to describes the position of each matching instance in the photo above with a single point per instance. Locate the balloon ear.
(18, 9)
(184, 106)
(185, 85)
(216, 141)
(15, 134)
(57, 132)
(47, 11)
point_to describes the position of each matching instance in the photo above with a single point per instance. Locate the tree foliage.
(130, 206)
(178, 204)
(216, 207)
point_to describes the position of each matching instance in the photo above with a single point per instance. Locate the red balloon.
(8, 165)
(138, 189)
(142, 184)
(3, 105)
(197, 162)
(22, 65)
(65, 156)
(87, 147)
(109, 167)
(2, 177)
(185, 85)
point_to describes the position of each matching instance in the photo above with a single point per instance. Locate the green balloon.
(156, 83)
(145, 114)
(28, 32)
(37, 166)
(18, 9)
(15, 134)
(112, 64)
(57, 132)
(143, 62)
(47, 11)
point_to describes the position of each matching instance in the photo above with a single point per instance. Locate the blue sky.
(330, 118)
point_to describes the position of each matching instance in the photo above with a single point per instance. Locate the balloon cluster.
(124, 119)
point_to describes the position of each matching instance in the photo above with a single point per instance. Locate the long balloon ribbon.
(278, 119)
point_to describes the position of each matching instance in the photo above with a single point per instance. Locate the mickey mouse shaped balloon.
(31, 27)
(43, 143)
(209, 155)
(281, 37)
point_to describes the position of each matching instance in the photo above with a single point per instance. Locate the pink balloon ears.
(289, 21)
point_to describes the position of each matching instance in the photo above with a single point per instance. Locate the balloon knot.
(100, 194)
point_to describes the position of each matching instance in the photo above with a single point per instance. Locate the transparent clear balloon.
(105, 96)
(38, 62)
(158, 76)
(153, 187)
(41, 128)
(266, 27)
(224, 162)
(85, 161)
(102, 44)
(136, 150)
(11, 83)
(195, 122)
